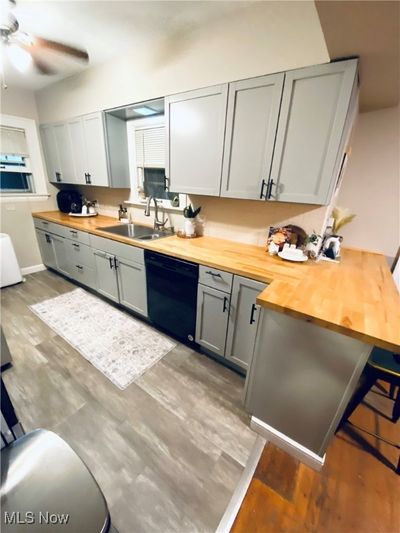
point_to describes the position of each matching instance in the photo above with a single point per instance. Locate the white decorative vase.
(190, 227)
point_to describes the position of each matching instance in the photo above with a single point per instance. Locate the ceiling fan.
(24, 49)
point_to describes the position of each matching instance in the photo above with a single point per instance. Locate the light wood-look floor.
(357, 491)
(167, 451)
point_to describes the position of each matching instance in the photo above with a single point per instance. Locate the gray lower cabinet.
(107, 283)
(61, 254)
(132, 285)
(46, 248)
(212, 318)
(121, 280)
(243, 320)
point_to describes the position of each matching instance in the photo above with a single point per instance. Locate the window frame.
(37, 168)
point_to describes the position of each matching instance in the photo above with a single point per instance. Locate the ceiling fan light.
(20, 58)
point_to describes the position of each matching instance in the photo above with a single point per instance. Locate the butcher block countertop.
(356, 297)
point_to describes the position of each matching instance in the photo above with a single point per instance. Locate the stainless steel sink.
(137, 232)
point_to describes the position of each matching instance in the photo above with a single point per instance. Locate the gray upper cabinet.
(132, 285)
(212, 318)
(75, 151)
(252, 120)
(93, 133)
(75, 130)
(195, 125)
(51, 153)
(243, 320)
(107, 284)
(314, 107)
(64, 151)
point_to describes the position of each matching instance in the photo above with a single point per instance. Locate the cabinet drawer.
(84, 274)
(76, 235)
(50, 227)
(218, 279)
(132, 253)
(80, 254)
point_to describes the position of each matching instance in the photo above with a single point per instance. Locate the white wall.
(16, 214)
(371, 185)
(265, 37)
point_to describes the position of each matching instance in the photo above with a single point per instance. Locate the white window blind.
(150, 147)
(13, 141)
(154, 147)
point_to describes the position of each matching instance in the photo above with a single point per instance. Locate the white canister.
(190, 227)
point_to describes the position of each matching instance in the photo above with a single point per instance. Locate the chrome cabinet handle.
(116, 264)
(75, 245)
(253, 310)
(89, 180)
(215, 274)
(110, 260)
(225, 304)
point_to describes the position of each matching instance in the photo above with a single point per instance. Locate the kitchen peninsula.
(324, 318)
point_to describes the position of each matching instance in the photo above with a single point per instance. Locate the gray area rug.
(118, 345)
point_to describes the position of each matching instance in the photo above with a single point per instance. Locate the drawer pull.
(75, 245)
(45, 223)
(79, 266)
(73, 232)
(253, 310)
(215, 274)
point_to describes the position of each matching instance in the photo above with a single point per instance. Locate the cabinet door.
(313, 112)
(212, 318)
(195, 125)
(251, 123)
(75, 130)
(132, 285)
(106, 276)
(64, 152)
(243, 319)
(61, 254)
(46, 248)
(50, 153)
(93, 130)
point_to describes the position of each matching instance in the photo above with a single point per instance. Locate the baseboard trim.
(232, 510)
(32, 269)
(287, 444)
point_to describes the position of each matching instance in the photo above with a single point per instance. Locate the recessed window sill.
(21, 197)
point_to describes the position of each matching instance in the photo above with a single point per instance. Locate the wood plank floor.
(357, 491)
(167, 451)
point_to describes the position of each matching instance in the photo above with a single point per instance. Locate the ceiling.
(106, 28)
(370, 29)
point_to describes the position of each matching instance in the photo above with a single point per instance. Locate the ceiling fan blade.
(42, 67)
(62, 48)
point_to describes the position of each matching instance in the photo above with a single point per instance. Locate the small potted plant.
(190, 215)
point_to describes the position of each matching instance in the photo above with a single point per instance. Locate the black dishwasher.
(172, 294)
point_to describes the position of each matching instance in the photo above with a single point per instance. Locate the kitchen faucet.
(157, 224)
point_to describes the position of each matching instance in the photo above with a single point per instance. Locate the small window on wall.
(15, 173)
